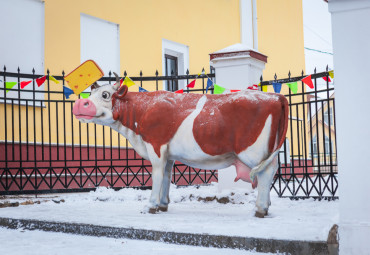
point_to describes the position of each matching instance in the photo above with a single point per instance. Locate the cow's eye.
(105, 95)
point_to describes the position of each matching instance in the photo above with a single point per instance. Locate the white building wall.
(351, 37)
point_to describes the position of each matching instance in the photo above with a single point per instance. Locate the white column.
(237, 67)
(351, 37)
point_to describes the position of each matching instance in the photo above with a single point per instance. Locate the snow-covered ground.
(188, 212)
(14, 242)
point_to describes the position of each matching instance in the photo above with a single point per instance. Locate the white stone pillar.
(237, 67)
(351, 37)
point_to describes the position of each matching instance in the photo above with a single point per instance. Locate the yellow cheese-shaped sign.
(83, 76)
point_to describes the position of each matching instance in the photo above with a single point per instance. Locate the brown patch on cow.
(158, 114)
(233, 122)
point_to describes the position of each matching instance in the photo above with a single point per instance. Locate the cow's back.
(233, 122)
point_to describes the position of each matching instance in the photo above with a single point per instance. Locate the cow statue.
(245, 129)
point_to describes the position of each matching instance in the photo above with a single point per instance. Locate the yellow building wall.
(205, 26)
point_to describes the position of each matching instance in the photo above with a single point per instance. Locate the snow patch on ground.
(14, 242)
(193, 209)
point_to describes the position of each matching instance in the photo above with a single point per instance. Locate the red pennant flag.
(191, 84)
(253, 87)
(40, 80)
(179, 91)
(25, 83)
(234, 90)
(326, 78)
(120, 82)
(308, 81)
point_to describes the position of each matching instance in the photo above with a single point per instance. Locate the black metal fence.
(308, 161)
(43, 149)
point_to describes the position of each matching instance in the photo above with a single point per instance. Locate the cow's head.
(98, 107)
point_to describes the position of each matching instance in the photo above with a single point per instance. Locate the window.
(174, 54)
(100, 42)
(314, 145)
(171, 70)
(22, 44)
(327, 115)
(326, 146)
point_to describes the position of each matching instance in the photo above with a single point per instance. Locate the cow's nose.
(85, 102)
(84, 107)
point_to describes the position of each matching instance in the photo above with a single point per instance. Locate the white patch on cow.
(184, 148)
(135, 140)
(212, 113)
(135, 124)
(258, 151)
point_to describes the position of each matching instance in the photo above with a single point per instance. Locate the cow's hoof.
(260, 215)
(153, 210)
(163, 208)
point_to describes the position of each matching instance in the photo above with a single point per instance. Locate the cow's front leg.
(164, 195)
(265, 178)
(157, 180)
(158, 170)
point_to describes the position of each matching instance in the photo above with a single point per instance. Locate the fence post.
(236, 67)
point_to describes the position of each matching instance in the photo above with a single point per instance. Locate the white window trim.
(181, 51)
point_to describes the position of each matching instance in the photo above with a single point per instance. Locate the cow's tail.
(281, 138)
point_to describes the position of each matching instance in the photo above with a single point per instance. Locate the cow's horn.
(95, 85)
(116, 86)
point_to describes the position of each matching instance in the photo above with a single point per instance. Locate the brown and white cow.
(245, 129)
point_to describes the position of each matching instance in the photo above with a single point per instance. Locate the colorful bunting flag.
(308, 81)
(53, 79)
(128, 82)
(67, 92)
(84, 94)
(209, 84)
(234, 90)
(293, 87)
(331, 74)
(120, 81)
(218, 89)
(179, 91)
(253, 87)
(277, 87)
(191, 84)
(326, 78)
(264, 88)
(142, 89)
(9, 85)
(25, 83)
(40, 80)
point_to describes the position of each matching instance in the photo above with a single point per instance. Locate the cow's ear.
(95, 85)
(121, 92)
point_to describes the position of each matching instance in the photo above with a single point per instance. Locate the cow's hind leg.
(265, 178)
(164, 197)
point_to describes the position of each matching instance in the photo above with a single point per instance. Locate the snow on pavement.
(188, 212)
(20, 242)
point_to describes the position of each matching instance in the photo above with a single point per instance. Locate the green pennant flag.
(9, 85)
(293, 87)
(84, 94)
(218, 89)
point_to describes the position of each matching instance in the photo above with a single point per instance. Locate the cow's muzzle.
(84, 109)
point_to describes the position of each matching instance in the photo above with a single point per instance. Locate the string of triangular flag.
(10, 84)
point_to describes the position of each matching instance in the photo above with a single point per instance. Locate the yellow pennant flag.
(128, 82)
(264, 88)
(331, 74)
(51, 78)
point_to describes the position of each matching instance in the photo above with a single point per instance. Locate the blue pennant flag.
(277, 87)
(209, 84)
(67, 92)
(142, 90)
